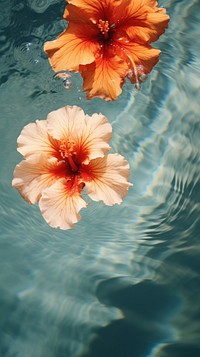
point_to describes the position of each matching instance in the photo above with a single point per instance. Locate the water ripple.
(28, 53)
(5, 14)
(40, 6)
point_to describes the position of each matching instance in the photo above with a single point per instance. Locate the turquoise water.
(125, 281)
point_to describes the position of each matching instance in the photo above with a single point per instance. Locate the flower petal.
(33, 175)
(60, 205)
(158, 20)
(142, 20)
(89, 134)
(148, 30)
(34, 139)
(127, 10)
(96, 136)
(89, 14)
(65, 121)
(76, 45)
(104, 77)
(92, 7)
(106, 179)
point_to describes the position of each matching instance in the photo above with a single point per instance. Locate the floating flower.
(63, 154)
(108, 40)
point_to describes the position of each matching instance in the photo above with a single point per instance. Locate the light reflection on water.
(125, 280)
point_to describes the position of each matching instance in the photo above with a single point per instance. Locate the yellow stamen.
(104, 27)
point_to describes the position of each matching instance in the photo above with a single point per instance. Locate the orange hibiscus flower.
(63, 154)
(108, 40)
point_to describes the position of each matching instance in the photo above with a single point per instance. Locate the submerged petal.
(60, 204)
(140, 59)
(106, 179)
(89, 135)
(33, 175)
(104, 78)
(34, 139)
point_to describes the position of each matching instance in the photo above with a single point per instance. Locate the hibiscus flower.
(64, 154)
(106, 41)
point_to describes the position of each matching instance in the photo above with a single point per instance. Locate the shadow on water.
(160, 316)
(146, 307)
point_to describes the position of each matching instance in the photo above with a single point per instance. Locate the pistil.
(67, 152)
(72, 164)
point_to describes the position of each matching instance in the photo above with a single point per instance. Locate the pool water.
(125, 281)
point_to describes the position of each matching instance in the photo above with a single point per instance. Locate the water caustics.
(125, 281)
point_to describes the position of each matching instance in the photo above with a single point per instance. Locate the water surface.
(125, 281)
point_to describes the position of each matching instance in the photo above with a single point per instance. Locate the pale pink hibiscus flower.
(63, 155)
